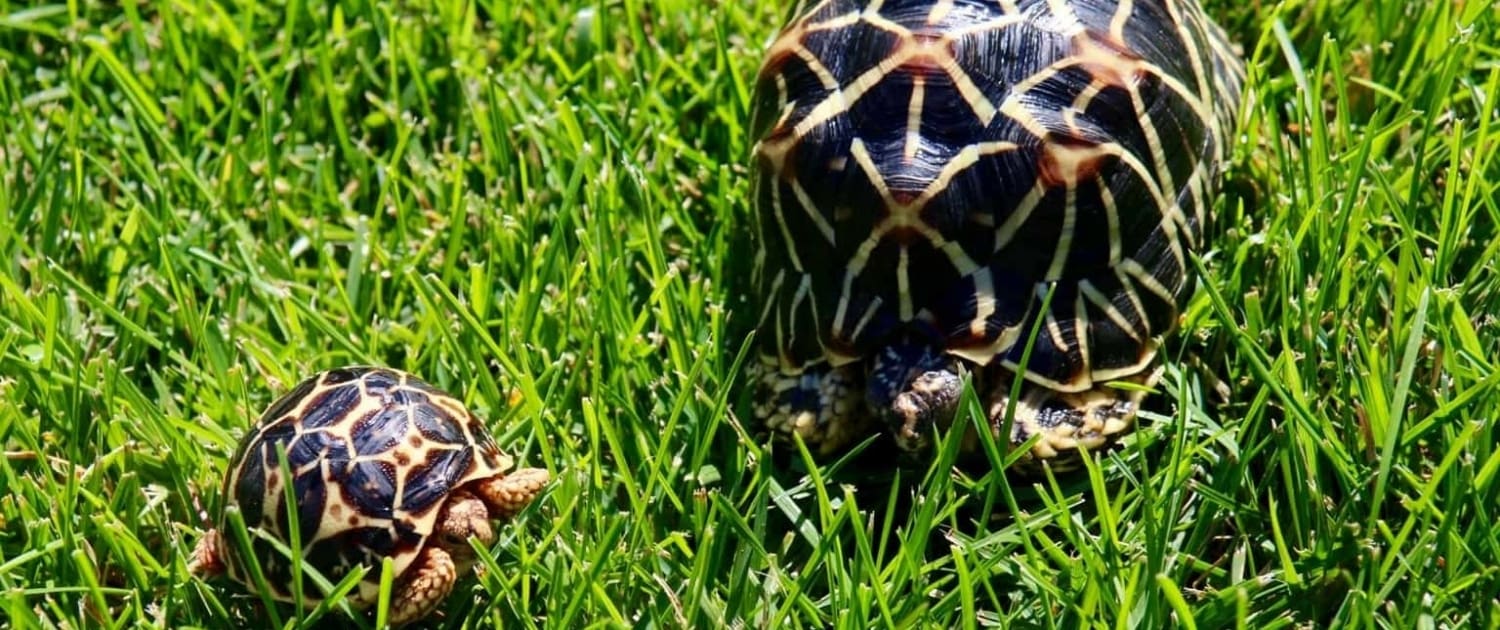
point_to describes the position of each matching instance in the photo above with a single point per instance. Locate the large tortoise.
(383, 465)
(929, 172)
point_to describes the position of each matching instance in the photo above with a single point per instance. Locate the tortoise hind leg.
(822, 404)
(1069, 422)
(427, 583)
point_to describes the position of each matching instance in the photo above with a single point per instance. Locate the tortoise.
(934, 180)
(383, 465)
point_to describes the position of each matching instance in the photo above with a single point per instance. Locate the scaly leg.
(1091, 419)
(428, 582)
(821, 404)
(507, 494)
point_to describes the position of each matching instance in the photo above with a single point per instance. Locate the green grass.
(542, 205)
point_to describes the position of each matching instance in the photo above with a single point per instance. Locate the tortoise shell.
(936, 167)
(373, 455)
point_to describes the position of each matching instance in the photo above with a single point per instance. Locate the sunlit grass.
(542, 205)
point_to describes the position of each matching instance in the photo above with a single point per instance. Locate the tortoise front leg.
(507, 494)
(427, 582)
(821, 404)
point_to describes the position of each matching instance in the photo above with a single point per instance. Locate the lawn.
(543, 206)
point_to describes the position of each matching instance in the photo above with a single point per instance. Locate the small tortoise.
(383, 465)
(928, 172)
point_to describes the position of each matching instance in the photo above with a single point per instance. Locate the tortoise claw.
(208, 560)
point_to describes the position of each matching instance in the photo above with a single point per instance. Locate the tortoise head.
(914, 385)
(463, 516)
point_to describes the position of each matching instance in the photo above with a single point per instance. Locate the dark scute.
(287, 402)
(315, 445)
(777, 318)
(929, 273)
(380, 380)
(956, 309)
(491, 455)
(1185, 151)
(801, 82)
(799, 325)
(381, 430)
(1150, 35)
(879, 119)
(420, 385)
(885, 321)
(343, 375)
(277, 434)
(1014, 298)
(268, 433)
(331, 406)
(405, 396)
(436, 425)
(250, 489)
(834, 9)
(1184, 137)
(1050, 99)
(948, 121)
(823, 165)
(484, 443)
(1058, 362)
(432, 481)
(481, 434)
(371, 485)
(846, 53)
(997, 59)
(258, 456)
(311, 492)
(1111, 115)
(1110, 345)
(1156, 257)
(1088, 252)
(1139, 213)
(1161, 314)
(383, 378)
(1029, 254)
(989, 189)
